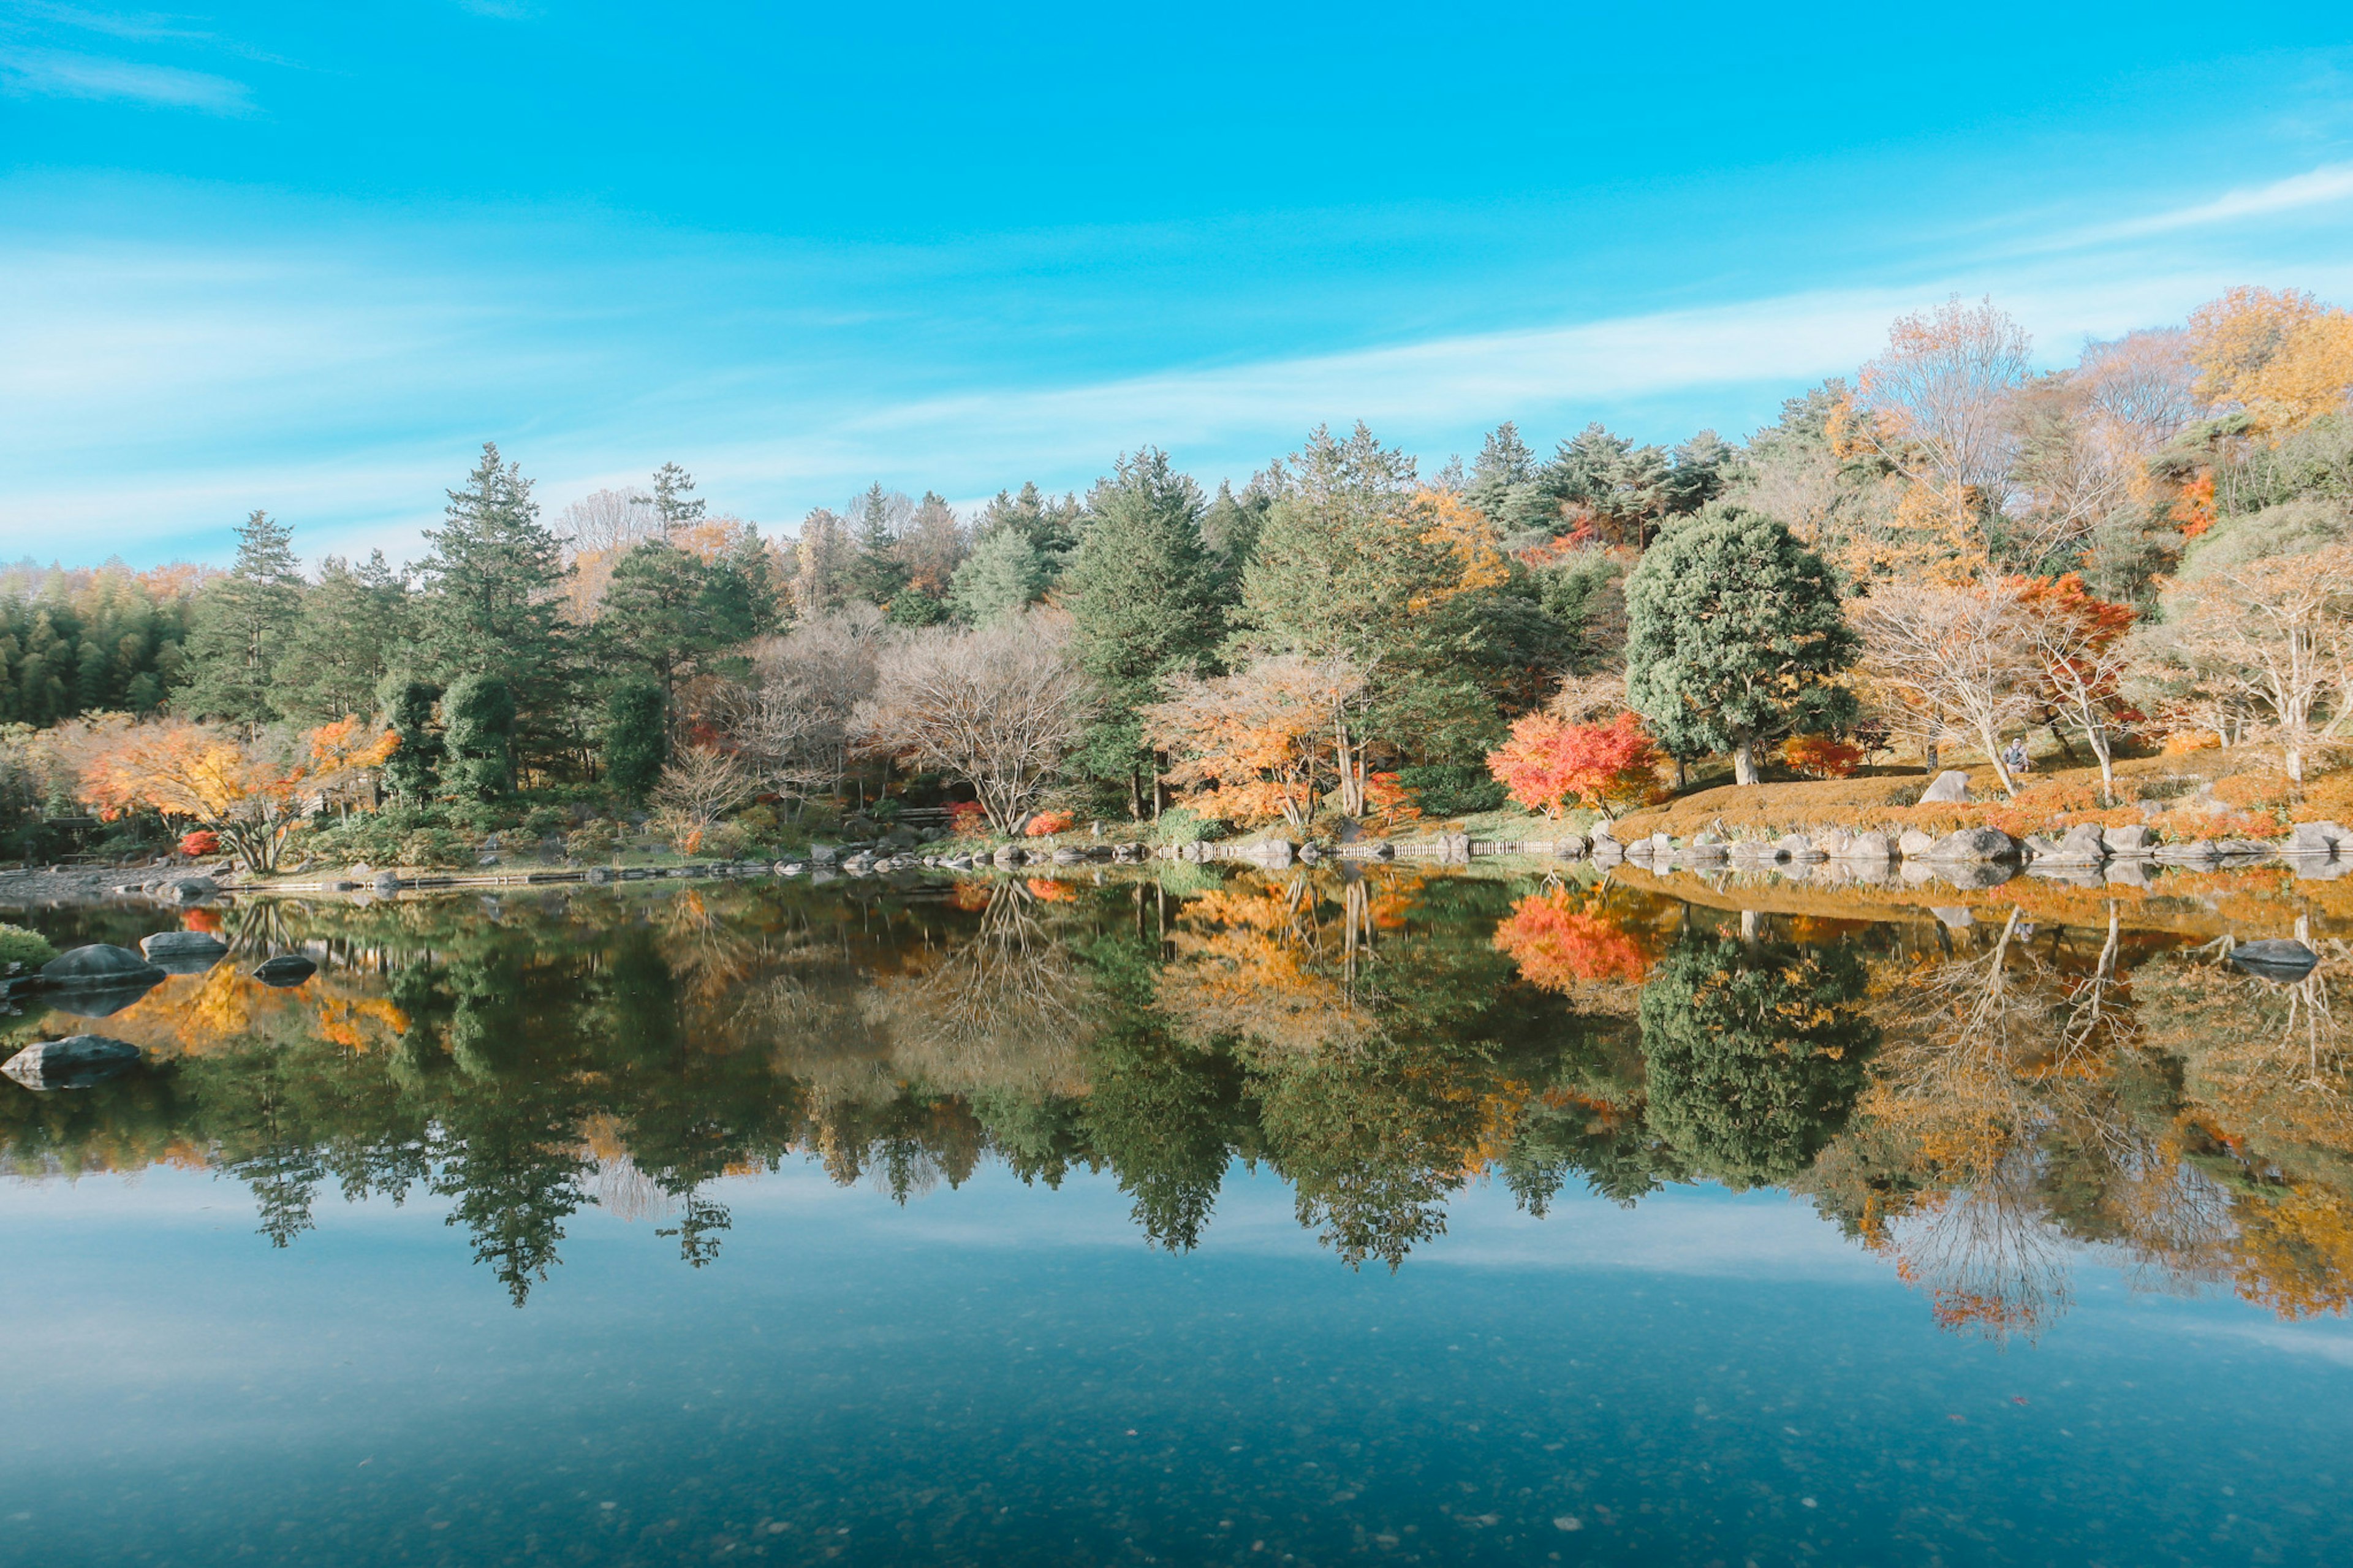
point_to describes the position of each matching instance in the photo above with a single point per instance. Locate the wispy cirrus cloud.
(2324, 186)
(59, 73)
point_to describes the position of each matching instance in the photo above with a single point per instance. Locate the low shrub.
(439, 848)
(30, 948)
(199, 842)
(1446, 789)
(1183, 825)
(594, 840)
(1047, 823)
(968, 819)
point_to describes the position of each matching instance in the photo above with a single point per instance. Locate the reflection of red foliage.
(202, 841)
(1047, 890)
(1558, 945)
(207, 920)
(1049, 821)
(969, 894)
(968, 818)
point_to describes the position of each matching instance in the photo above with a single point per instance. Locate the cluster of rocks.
(1977, 856)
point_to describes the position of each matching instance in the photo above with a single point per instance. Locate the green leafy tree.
(1753, 1054)
(1144, 596)
(1735, 639)
(477, 727)
(243, 624)
(355, 622)
(635, 741)
(413, 772)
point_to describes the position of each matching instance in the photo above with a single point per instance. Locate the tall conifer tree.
(243, 623)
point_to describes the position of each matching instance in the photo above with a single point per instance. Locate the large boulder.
(2136, 839)
(2318, 839)
(75, 1062)
(2275, 958)
(2081, 846)
(1914, 843)
(2197, 852)
(1964, 844)
(183, 951)
(188, 889)
(100, 967)
(1950, 788)
(1798, 847)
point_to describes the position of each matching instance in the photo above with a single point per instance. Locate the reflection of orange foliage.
(1559, 942)
(2297, 1253)
(207, 920)
(1046, 890)
(969, 894)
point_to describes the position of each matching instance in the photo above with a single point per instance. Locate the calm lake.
(1185, 1216)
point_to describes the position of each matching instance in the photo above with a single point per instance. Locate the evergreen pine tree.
(477, 727)
(243, 623)
(674, 502)
(492, 603)
(1144, 596)
(877, 574)
(413, 772)
(634, 742)
(355, 622)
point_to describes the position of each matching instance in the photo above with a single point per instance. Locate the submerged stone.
(2275, 958)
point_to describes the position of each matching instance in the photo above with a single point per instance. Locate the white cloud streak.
(59, 73)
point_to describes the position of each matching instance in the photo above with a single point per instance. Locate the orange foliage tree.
(245, 792)
(2278, 354)
(195, 773)
(1821, 756)
(1549, 761)
(2081, 655)
(1264, 737)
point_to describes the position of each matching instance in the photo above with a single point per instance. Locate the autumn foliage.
(1548, 763)
(1560, 940)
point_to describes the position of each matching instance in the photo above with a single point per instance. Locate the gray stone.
(1955, 917)
(1967, 844)
(1973, 875)
(1607, 852)
(188, 889)
(2136, 839)
(1573, 847)
(1309, 854)
(1273, 853)
(2127, 871)
(77, 1061)
(2275, 958)
(1069, 855)
(96, 966)
(2245, 849)
(387, 882)
(1912, 843)
(1010, 855)
(1865, 848)
(2197, 852)
(1950, 788)
(285, 969)
(2318, 839)
(166, 945)
(1798, 847)
(824, 854)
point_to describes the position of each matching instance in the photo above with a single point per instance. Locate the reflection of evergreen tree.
(1753, 1054)
(1162, 1115)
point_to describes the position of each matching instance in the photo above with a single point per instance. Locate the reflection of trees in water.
(1378, 1040)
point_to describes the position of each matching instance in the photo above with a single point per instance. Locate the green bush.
(1183, 825)
(1448, 789)
(591, 841)
(30, 948)
(436, 846)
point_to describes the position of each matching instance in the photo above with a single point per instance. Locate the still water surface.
(1263, 1219)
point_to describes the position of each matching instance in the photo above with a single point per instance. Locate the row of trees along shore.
(1932, 557)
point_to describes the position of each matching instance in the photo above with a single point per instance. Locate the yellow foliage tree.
(2281, 355)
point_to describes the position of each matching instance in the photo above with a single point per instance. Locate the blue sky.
(307, 258)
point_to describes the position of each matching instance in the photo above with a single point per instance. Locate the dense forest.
(1954, 549)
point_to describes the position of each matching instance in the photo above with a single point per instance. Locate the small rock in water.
(285, 969)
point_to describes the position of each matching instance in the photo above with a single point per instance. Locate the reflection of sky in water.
(1003, 1374)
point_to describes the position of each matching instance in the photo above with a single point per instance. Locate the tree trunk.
(1992, 744)
(1928, 757)
(2294, 757)
(1744, 764)
(2099, 738)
